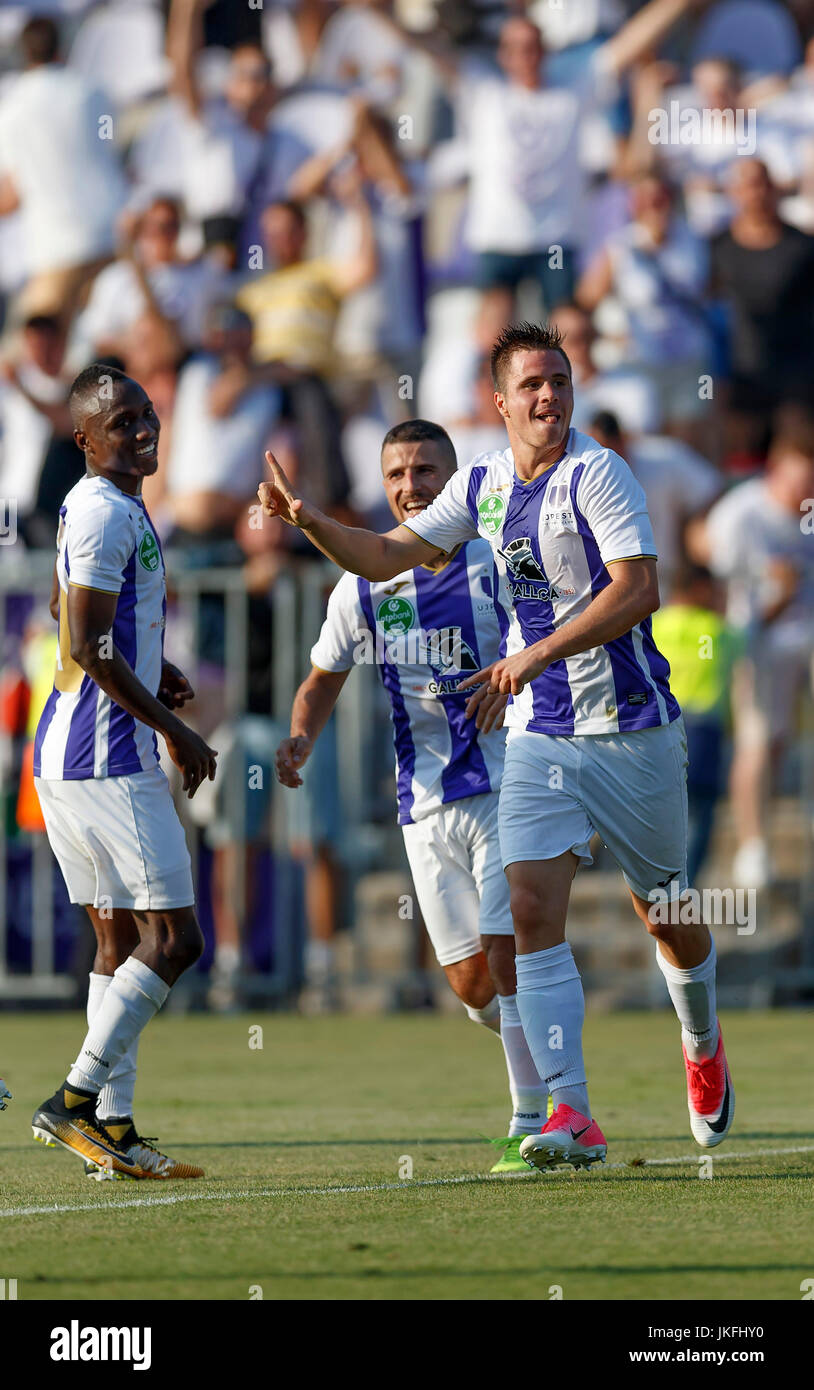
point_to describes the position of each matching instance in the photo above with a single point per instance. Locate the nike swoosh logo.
(580, 1131)
(718, 1126)
(664, 882)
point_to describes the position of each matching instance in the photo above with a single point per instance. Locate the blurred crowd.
(299, 222)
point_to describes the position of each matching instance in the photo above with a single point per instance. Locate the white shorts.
(118, 841)
(454, 856)
(629, 788)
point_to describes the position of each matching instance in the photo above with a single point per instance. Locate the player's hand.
(174, 690)
(5, 1095)
(193, 757)
(279, 499)
(506, 677)
(488, 708)
(292, 754)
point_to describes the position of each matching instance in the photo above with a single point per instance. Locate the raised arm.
(644, 31)
(184, 43)
(90, 621)
(361, 552)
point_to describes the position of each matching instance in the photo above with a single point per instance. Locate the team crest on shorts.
(492, 512)
(396, 615)
(148, 552)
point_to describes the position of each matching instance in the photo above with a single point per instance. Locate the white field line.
(242, 1194)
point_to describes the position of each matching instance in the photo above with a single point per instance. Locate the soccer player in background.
(425, 628)
(595, 741)
(106, 802)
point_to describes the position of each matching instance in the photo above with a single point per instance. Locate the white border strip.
(405, 1186)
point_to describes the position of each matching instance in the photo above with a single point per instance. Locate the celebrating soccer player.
(596, 740)
(425, 629)
(105, 800)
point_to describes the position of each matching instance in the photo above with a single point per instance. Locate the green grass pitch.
(343, 1103)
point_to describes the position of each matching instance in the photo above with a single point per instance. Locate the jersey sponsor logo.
(396, 615)
(492, 512)
(527, 579)
(562, 520)
(148, 553)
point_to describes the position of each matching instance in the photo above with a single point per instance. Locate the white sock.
(552, 1011)
(134, 994)
(489, 1016)
(529, 1093)
(116, 1096)
(693, 995)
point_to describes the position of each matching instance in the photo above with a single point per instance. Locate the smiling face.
(414, 474)
(118, 435)
(536, 400)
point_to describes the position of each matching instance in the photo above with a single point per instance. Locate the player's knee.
(471, 981)
(528, 909)
(500, 953)
(181, 940)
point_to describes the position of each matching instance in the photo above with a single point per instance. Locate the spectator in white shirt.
(206, 149)
(759, 541)
(39, 462)
(58, 165)
(527, 181)
(657, 270)
(152, 272)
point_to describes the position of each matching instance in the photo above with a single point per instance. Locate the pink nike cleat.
(568, 1137)
(710, 1098)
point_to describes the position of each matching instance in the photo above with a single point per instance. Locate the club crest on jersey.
(447, 650)
(396, 615)
(492, 512)
(148, 552)
(526, 576)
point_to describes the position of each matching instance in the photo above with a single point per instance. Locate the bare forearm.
(644, 31)
(313, 705)
(360, 552)
(608, 616)
(117, 679)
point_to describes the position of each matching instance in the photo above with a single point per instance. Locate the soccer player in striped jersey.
(425, 628)
(596, 740)
(106, 803)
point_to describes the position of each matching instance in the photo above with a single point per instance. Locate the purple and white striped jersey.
(105, 541)
(552, 539)
(425, 631)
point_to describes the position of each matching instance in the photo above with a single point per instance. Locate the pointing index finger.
(477, 679)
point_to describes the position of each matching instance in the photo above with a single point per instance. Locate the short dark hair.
(607, 424)
(793, 433)
(85, 389)
(290, 205)
(524, 337)
(43, 323)
(39, 41)
(421, 432)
